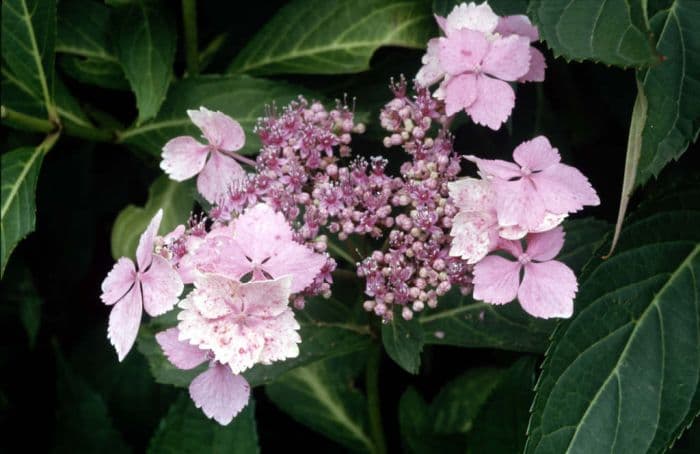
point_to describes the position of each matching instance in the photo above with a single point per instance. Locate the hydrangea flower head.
(185, 157)
(536, 185)
(548, 286)
(152, 285)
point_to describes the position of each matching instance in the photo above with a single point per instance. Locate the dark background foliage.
(61, 385)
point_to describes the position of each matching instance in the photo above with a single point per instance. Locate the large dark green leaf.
(28, 40)
(583, 237)
(186, 430)
(145, 43)
(403, 341)
(327, 330)
(243, 98)
(500, 7)
(672, 89)
(622, 376)
(323, 397)
(176, 200)
(334, 36)
(614, 32)
(20, 170)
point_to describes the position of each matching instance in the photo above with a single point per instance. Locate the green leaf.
(327, 330)
(322, 396)
(83, 423)
(145, 43)
(93, 71)
(461, 321)
(244, 98)
(185, 429)
(583, 237)
(622, 376)
(334, 36)
(84, 30)
(28, 40)
(500, 7)
(415, 424)
(614, 32)
(20, 294)
(501, 424)
(403, 341)
(20, 171)
(672, 90)
(176, 200)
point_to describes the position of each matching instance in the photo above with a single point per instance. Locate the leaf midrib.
(18, 182)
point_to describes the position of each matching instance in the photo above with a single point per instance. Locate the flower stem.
(189, 19)
(372, 385)
(26, 122)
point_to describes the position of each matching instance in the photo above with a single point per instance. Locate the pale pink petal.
(496, 280)
(537, 67)
(496, 168)
(442, 22)
(514, 248)
(512, 232)
(296, 260)
(220, 394)
(564, 189)
(221, 255)
(536, 154)
(459, 93)
(118, 281)
(281, 338)
(222, 131)
(472, 236)
(508, 58)
(431, 71)
(124, 321)
(161, 287)
(261, 231)
(219, 296)
(175, 234)
(220, 173)
(548, 290)
(472, 194)
(517, 25)
(494, 102)
(518, 202)
(471, 16)
(181, 354)
(546, 245)
(462, 51)
(183, 158)
(516, 232)
(266, 298)
(144, 251)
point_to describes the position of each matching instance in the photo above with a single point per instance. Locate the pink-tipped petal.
(221, 255)
(564, 189)
(518, 202)
(538, 65)
(296, 260)
(222, 131)
(442, 23)
(508, 58)
(462, 51)
(183, 158)
(124, 321)
(496, 280)
(546, 245)
(281, 338)
(494, 102)
(220, 173)
(471, 16)
(472, 236)
(261, 231)
(460, 93)
(431, 71)
(266, 298)
(220, 394)
(181, 354)
(548, 290)
(144, 251)
(118, 281)
(161, 287)
(536, 154)
(517, 25)
(495, 167)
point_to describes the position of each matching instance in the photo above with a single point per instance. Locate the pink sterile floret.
(185, 157)
(154, 286)
(260, 244)
(548, 286)
(536, 185)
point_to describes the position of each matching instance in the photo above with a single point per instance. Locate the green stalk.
(373, 405)
(25, 122)
(189, 19)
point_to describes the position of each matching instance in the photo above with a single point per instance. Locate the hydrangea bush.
(296, 242)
